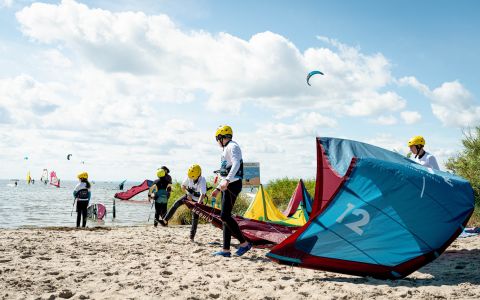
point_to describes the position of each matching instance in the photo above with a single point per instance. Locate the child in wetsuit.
(82, 196)
(162, 187)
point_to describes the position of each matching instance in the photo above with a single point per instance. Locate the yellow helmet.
(194, 172)
(223, 131)
(160, 173)
(82, 175)
(416, 140)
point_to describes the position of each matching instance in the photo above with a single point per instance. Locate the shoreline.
(143, 262)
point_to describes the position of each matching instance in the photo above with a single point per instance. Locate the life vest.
(224, 170)
(83, 194)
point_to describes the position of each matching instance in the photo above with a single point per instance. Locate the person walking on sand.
(195, 189)
(231, 173)
(82, 196)
(417, 144)
(163, 187)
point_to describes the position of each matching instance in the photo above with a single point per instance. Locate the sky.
(129, 86)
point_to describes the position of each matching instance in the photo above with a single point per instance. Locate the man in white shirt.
(417, 144)
(195, 189)
(231, 173)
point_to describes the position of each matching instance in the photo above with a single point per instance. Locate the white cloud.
(385, 120)
(126, 91)
(4, 115)
(56, 58)
(389, 142)
(6, 3)
(179, 126)
(410, 117)
(451, 102)
(267, 69)
(413, 82)
(375, 103)
(308, 124)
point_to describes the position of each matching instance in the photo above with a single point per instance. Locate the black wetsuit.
(82, 212)
(230, 226)
(173, 209)
(83, 197)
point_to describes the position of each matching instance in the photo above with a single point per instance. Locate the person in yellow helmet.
(231, 174)
(195, 189)
(416, 145)
(82, 196)
(160, 193)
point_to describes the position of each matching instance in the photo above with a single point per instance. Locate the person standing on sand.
(417, 144)
(163, 187)
(231, 173)
(195, 187)
(82, 196)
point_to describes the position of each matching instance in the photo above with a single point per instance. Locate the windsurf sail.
(300, 197)
(29, 178)
(134, 190)
(120, 186)
(44, 177)
(376, 213)
(262, 208)
(54, 179)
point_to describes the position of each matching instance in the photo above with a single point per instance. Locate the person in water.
(416, 145)
(82, 196)
(162, 187)
(195, 189)
(231, 173)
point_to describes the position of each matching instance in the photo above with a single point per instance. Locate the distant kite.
(311, 74)
(68, 156)
(25, 158)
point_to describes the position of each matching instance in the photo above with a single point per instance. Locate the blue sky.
(128, 86)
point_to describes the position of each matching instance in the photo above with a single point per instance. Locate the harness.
(192, 192)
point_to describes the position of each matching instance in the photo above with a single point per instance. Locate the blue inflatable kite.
(376, 213)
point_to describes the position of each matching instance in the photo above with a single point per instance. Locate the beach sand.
(148, 263)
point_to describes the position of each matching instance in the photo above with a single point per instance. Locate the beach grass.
(475, 219)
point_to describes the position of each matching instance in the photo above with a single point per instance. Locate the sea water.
(42, 205)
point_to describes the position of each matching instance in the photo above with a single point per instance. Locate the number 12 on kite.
(355, 226)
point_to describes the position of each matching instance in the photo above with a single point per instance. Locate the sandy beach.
(148, 263)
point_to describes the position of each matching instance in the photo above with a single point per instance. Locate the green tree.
(467, 165)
